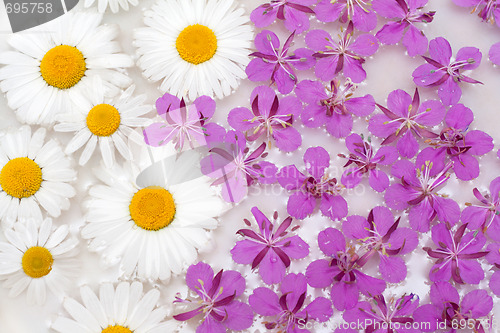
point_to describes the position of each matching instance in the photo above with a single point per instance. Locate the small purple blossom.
(294, 14)
(488, 10)
(358, 11)
(217, 302)
(364, 160)
(418, 191)
(493, 258)
(494, 53)
(274, 64)
(270, 117)
(407, 13)
(379, 234)
(286, 309)
(341, 271)
(456, 255)
(270, 249)
(236, 168)
(447, 311)
(332, 105)
(440, 71)
(405, 119)
(345, 55)
(485, 215)
(313, 187)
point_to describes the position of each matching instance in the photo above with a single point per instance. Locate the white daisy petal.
(81, 314)
(93, 305)
(65, 325)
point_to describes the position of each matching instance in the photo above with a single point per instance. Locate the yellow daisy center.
(37, 262)
(152, 208)
(116, 329)
(196, 44)
(21, 177)
(103, 120)
(63, 66)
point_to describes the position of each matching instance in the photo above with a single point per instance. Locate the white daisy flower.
(124, 310)
(37, 258)
(154, 225)
(33, 174)
(114, 5)
(109, 122)
(50, 68)
(197, 47)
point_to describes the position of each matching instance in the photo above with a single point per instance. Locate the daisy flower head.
(35, 257)
(195, 47)
(152, 224)
(125, 309)
(33, 174)
(114, 5)
(48, 69)
(109, 122)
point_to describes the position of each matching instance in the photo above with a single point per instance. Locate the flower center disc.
(152, 208)
(116, 329)
(103, 120)
(196, 44)
(21, 177)
(37, 262)
(63, 66)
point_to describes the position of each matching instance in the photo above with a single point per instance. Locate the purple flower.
(485, 216)
(493, 258)
(346, 55)
(236, 167)
(270, 249)
(447, 311)
(183, 123)
(419, 191)
(292, 12)
(270, 118)
(332, 105)
(441, 72)
(341, 272)
(494, 53)
(488, 10)
(456, 255)
(313, 187)
(379, 234)
(380, 314)
(459, 144)
(286, 309)
(365, 160)
(275, 65)
(407, 13)
(217, 302)
(405, 119)
(358, 11)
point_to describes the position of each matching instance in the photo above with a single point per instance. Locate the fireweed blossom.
(217, 302)
(270, 118)
(236, 168)
(488, 10)
(182, 123)
(379, 234)
(460, 144)
(312, 187)
(271, 248)
(345, 55)
(363, 160)
(456, 255)
(293, 13)
(287, 309)
(418, 191)
(274, 64)
(406, 119)
(440, 71)
(359, 11)
(446, 310)
(407, 13)
(382, 314)
(341, 271)
(494, 53)
(332, 105)
(493, 258)
(485, 216)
